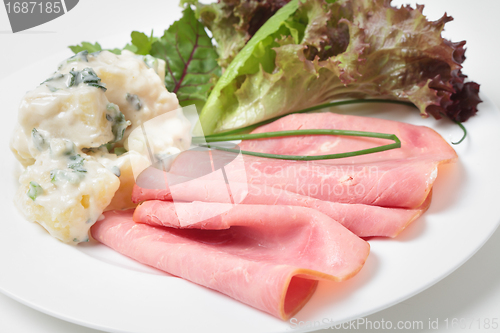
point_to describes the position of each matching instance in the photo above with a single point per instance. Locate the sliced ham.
(416, 141)
(393, 183)
(269, 257)
(362, 220)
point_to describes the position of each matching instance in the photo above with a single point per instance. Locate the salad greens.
(256, 55)
(190, 57)
(345, 49)
(233, 23)
(86, 46)
(281, 56)
(186, 48)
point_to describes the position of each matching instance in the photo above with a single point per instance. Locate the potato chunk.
(65, 192)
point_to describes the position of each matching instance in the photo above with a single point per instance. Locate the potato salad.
(72, 138)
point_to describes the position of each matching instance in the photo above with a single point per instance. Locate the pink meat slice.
(419, 141)
(393, 183)
(362, 220)
(269, 257)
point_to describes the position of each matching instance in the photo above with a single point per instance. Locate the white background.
(472, 291)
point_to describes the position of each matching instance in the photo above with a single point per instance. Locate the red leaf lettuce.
(322, 51)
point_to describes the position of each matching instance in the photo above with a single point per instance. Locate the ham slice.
(393, 183)
(399, 178)
(416, 141)
(362, 220)
(270, 257)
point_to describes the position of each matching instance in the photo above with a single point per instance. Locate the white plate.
(93, 286)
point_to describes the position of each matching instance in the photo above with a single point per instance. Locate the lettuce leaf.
(256, 55)
(233, 23)
(324, 51)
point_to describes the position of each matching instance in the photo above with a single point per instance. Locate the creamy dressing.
(129, 82)
(75, 191)
(76, 113)
(73, 138)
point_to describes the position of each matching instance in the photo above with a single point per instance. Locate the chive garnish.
(313, 108)
(226, 137)
(463, 129)
(237, 134)
(240, 134)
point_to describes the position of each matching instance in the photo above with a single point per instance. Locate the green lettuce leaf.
(255, 56)
(234, 22)
(323, 51)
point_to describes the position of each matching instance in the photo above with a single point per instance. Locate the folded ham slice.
(416, 141)
(270, 257)
(399, 178)
(393, 183)
(362, 220)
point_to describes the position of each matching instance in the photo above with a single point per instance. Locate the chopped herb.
(76, 163)
(62, 147)
(116, 171)
(134, 101)
(54, 77)
(151, 62)
(119, 151)
(34, 190)
(38, 140)
(108, 146)
(73, 177)
(74, 78)
(119, 123)
(76, 240)
(69, 148)
(119, 126)
(80, 56)
(87, 76)
(52, 89)
(112, 107)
